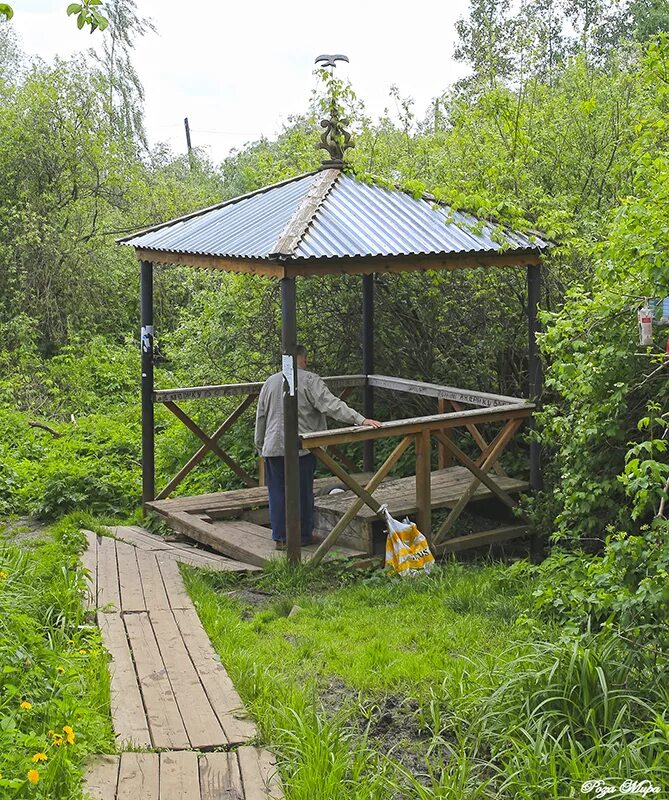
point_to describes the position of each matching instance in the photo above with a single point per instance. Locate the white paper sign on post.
(288, 369)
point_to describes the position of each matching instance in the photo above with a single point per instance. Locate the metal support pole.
(290, 429)
(146, 338)
(368, 363)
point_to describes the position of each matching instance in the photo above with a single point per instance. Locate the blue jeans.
(274, 475)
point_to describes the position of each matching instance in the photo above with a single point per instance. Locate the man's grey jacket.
(315, 402)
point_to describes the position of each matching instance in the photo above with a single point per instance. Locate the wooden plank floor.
(237, 500)
(214, 519)
(249, 773)
(448, 485)
(169, 690)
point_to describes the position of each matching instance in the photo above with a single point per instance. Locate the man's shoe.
(279, 544)
(312, 540)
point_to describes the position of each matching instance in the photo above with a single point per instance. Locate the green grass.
(432, 687)
(319, 682)
(52, 661)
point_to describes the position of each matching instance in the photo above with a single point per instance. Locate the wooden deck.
(228, 522)
(169, 690)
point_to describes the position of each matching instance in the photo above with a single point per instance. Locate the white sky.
(237, 70)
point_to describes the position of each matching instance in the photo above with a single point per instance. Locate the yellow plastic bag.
(407, 550)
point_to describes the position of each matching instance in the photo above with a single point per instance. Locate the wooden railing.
(211, 443)
(419, 431)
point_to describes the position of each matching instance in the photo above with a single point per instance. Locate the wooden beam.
(146, 349)
(472, 540)
(211, 445)
(365, 265)
(424, 484)
(503, 438)
(333, 382)
(352, 484)
(345, 460)
(477, 436)
(291, 437)
(373, 484)
(424, 389)
(368, 264)
(404, 427)
(444, 455)
(202, 452)
(250, 266)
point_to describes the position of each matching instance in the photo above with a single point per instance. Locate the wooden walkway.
(248, 773)
(169, 690)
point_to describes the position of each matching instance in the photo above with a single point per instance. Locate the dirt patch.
(392, 725)
(24, 530)
(253, 600)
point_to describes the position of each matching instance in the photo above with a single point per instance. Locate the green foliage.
(602, 383)
(87, 11)
(625, 589)
(53, 678)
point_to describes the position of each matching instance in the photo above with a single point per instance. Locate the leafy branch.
(88, 12)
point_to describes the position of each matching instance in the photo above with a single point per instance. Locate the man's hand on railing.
(373, 423)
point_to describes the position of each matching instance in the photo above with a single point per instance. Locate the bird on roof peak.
(331, 60)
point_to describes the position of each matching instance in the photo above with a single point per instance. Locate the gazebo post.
(146, 339)
(535, 375)
(534, 363)
(290, 429)
(368, 363)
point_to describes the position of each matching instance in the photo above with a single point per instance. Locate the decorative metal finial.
(331, 61)
(335, 138)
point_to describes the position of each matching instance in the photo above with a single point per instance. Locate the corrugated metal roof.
(359, 219)
(247, 227)
(353, 219)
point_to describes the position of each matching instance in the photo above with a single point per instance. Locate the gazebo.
(322, 223)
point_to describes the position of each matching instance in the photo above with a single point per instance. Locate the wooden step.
(472, 540)
(241, 540)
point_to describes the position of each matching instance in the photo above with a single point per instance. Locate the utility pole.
(188, 142)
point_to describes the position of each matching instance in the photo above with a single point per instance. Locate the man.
(315, 402)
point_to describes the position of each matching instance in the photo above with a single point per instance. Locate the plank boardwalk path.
(169, 690)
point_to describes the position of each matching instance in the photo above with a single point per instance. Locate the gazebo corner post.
(290, 419)
(535, 376)
(368, 363)
(147, 348)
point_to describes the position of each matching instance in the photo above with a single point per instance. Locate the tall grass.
(499, 710)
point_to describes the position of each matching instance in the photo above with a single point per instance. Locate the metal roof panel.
(358, 219)
(247, 228)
